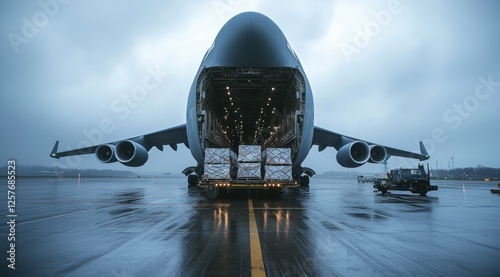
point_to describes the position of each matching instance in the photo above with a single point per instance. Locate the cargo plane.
(250, 89)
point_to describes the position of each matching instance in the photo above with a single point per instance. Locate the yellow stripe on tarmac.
(256, 260)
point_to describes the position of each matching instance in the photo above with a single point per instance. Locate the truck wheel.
(422, 189)
(383, 190)
(192, 180)
(304, 181)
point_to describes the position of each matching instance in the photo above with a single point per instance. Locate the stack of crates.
(219, 163)
(277, 163)
(249, 162)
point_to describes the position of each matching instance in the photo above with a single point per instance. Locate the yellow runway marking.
(256, 260)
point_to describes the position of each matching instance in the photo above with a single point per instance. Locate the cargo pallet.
(252, 169)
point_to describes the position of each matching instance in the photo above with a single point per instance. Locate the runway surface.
(160, 227)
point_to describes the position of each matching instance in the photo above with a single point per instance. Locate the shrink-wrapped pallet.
(249, 171)
(249, 153)
(219, 156)
(278, 172)
(277, 156)
(218, 171)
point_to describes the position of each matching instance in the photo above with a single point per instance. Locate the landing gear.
(304, 181)
(192, 180)
(303, 175)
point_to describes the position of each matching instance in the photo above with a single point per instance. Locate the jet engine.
(378, 154)
(105, 153)
(131, 153)
(353, 154)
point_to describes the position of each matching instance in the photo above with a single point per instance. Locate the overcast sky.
(391, 72)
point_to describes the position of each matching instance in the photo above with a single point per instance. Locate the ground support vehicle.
(406, 179)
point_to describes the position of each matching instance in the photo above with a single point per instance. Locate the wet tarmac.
(160, 227)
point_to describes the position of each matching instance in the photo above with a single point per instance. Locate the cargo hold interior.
(250, 106)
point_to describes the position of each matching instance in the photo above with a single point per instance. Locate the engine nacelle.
(105, 153)
(353, 154)
(378, 154)
(131, 153)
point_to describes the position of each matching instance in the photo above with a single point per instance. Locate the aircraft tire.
(192, 180)
(304, 181)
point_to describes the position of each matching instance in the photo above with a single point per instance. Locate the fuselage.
(250, 89)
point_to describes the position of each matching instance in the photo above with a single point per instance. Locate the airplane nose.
(251, 40)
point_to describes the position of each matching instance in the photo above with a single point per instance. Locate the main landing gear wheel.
(192, 180)
(304, 181)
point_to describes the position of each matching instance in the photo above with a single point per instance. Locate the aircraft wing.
(171, 136)
(325, 138)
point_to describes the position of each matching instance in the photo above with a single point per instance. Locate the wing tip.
(425, 158)
(54, 153)
(423, 152)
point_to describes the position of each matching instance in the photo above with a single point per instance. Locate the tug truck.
(406, 179)
(251, 168)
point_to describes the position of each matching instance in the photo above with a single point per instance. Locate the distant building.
(51, 173)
